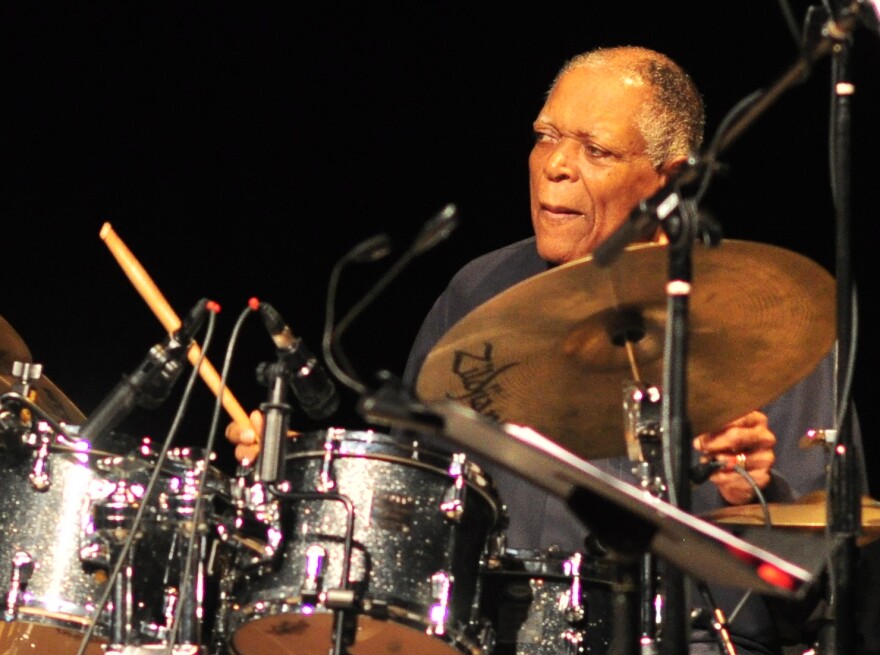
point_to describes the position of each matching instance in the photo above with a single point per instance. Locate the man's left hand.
(746, 442)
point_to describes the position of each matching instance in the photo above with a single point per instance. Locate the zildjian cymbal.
(554, 352)
(48, 396)
(12, 347)
(807, 513)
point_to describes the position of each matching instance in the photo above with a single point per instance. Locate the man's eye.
(596, 151)
(543, 137)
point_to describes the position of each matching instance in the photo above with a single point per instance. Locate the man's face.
(588, 168)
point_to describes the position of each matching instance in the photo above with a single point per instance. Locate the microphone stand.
(271, 467)
(681, 225)
(837, 634)
(681, 229)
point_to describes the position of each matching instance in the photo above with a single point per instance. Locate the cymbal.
(548, 352)
(49, 397)
(12, 347)
(807, 513)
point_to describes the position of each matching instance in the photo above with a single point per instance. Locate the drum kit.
(372, 542)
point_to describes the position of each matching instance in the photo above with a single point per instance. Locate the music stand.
(781, 564)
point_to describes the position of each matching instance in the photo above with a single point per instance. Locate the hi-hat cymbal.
(547, 352)
(808, 513)
(49, 397)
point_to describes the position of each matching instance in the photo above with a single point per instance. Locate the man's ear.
(670, 167)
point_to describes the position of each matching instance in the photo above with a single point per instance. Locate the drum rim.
(29, 613)
(477, 478)
(258, 610)
(593, 569)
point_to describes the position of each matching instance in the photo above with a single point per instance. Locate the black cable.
(788, 16)
(184, 580)
(371, 249)
(713, 150)
(849, 371)
(209, 449)
(768, 523)
(719, 623)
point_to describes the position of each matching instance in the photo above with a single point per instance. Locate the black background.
(240, 150)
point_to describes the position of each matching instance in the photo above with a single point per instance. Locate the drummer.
(616, 126)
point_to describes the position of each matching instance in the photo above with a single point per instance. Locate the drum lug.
(256, 524)
(22, 569)
(572, 641)
(441, 592)
(496, 546)
(452, 505)
(570, 602)
(311, 587)
(40, 476)
(326, 481)
(110, 510)
(94, 549)
(160, 631)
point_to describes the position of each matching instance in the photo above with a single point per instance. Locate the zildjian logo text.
(478, 375)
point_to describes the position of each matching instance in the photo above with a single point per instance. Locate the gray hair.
(672, 122)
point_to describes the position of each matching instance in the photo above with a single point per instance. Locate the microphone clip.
(276, 410)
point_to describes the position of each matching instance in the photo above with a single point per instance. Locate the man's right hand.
(246, 439)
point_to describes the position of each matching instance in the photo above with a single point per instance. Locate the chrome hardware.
(22, 569)
(311, 587)
(40, 475)
(452, 505)
(438, 613)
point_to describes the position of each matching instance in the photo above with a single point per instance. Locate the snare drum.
(550, 603)
(422, 521)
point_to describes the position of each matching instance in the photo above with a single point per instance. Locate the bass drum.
(537, 602)
(422, 519)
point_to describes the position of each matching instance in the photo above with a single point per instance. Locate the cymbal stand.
(679, 220)
(641, 409)
(837, 634)
(642, 420)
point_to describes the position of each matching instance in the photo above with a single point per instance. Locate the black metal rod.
(837, 635)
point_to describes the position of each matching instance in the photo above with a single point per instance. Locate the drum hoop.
(484, 489)
(255, 611)
(548, 568)
(62, 620)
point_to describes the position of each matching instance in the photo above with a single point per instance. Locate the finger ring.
(741, 460)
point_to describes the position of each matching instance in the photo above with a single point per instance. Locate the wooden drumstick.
(170, 321)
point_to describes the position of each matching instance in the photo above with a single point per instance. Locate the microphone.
(152, 380)
(435, 230)
(313, 388)
(370, 250)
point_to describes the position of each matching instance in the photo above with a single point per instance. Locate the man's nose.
(559, 164)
